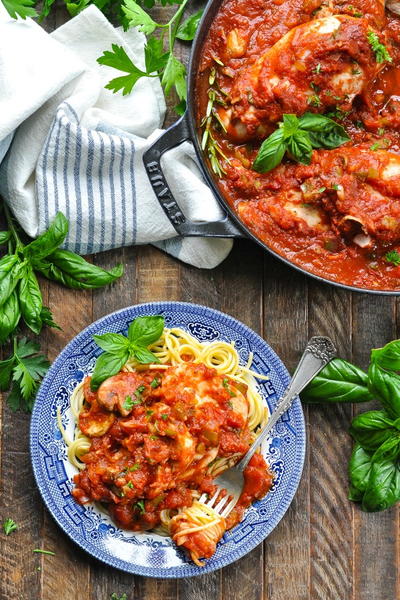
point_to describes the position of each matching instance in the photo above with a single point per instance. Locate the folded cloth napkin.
(78, 147)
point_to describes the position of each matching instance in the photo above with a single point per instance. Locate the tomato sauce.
(153, 436)
(338, 217)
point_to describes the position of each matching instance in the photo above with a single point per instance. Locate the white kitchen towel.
(78, 147)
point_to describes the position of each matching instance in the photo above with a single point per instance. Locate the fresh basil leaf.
(271, 152)
(354, 494)
(299, 147)
(174, 75)
(386, 386)
(137, 17)
(339, 381)
(31, 303)
(360, 465)
(389, 450)
(10, 315)
(8, 278)
(154, 55)
(323, 131)
(4, 237)
(75, 272)
(387, 357)
(106, 366)
(143, 355)
(187, 30)
(113, 343)
(371, 429)
(144, 331)
(383, 489)
(47, 318)
(290, 125)
(6, 367)
(49, 241)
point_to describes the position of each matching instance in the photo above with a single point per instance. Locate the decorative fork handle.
(318, 352)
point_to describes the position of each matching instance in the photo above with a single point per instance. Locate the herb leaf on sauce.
(380, 50)
(393, 257)
(298, 137)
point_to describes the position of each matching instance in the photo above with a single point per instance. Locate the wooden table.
(325, 548)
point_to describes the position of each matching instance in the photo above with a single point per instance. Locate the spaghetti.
(150, 441)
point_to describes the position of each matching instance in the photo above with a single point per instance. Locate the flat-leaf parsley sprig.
(118, 349)
(159, 62)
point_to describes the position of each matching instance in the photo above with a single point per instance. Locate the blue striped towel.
(81, 154)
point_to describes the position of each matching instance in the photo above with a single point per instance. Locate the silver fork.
(318, 352)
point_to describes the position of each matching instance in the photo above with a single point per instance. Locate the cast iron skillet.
(185, 129)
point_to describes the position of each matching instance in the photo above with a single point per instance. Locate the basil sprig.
(118, 349)
(374, 467)
(298, 137)
(20, 295)
(21, 299)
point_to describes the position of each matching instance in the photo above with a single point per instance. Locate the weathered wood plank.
(331, 534)
(286, 562)
(376, 573)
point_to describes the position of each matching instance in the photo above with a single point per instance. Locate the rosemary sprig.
(211, 119)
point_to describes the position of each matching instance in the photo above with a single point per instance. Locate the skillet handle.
(175, 135)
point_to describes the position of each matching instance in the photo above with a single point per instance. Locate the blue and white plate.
(147, 553)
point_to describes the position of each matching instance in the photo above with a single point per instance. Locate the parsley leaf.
(9, 526)
(20, 8)
(380, 50)
(187, 30)
(154, 56)
(393, 257)
(118, 58)
(115, 597)
(137, 17)
(154, 384)
(140, 506)
(174, 75)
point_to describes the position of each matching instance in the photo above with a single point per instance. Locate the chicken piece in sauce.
(317, 65)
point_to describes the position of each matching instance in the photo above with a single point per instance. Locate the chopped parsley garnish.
(317, 69)
(314, 100)
(155, 383)
(164, 417)
(139, 392)
(374, 146)
(393, 257)
(314, 86)
(130, 485)
(335, 186)
(130, 402)
(134, 467)
(9, 526)
(380, 50)
(225, 383)
(149, 413)
(321, 189)
(154, 437)
(381, 130)
(140, 506)
(356, 71)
